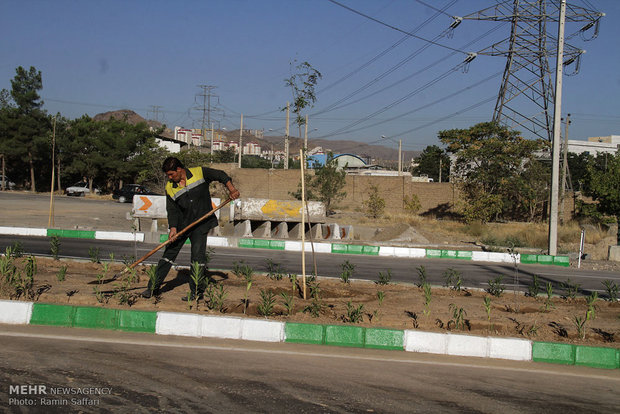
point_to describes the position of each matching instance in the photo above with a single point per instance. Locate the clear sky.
(98, 56)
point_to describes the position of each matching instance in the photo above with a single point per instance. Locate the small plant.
(548, 302)
(247, 275)
(412, 204)
(17, 250)
(496, 288)
(214, 297)
(347, 271)
(534, 288)
(55, 246)
(533, 331)
(111, 256)
(274, 271)
(267, 302)
(151, 272)
(289, 303)
(591, 302)
(93, 253)
(197, 275)
(427, 298)
(384, 278)
(292, 277)
(380, 297)
(316, 306)
(611, 288)
(487, 307)
(99, 295)
(452, 279)
(127, 260)
(421, 275)
(242, 270)
(571, 289)
(458, 317)
(355, 314)
(104, 271)
(580, 324)
(62, 273)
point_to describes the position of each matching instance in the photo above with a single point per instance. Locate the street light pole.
(400, 158)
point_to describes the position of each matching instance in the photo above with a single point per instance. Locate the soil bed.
(403, 306)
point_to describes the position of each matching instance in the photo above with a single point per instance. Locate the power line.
(395, 28)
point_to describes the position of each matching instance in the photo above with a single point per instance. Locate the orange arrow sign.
(147, 203)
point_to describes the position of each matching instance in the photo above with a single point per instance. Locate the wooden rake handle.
(176, 236)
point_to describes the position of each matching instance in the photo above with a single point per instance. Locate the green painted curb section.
(554, 353)
(561, 261)
(545, 259)
(76, 234)
(344, 336)
(385, 339)
(529, 258)
(304, 333)
(90, 317)
(55, 315)
(433, 253)
(371, 250)
(596, 357)
(164, 238)
(261, 244)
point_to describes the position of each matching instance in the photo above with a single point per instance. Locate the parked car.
(80, 189)
(125, 194)
(8, 184)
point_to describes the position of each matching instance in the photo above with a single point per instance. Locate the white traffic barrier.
(15, 313)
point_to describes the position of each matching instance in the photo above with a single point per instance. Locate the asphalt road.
(22, 209)
(128, 372)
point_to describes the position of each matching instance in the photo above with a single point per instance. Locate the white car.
(79, 189)
(8, 184)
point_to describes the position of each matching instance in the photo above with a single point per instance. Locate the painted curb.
(227, 327)
(15, 313)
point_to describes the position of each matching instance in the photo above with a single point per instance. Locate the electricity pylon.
(526, 94)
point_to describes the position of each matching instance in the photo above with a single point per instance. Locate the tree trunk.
(33, 187)
(618, 232)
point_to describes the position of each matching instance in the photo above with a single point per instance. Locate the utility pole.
(557, 115)
(306, 136)
(155, 111)
(564, 167)
(212, 139)
(50, 221)
(286, 137)
(240, 140)
(400, 159)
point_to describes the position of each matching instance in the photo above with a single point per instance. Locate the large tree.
(431, 161)
(25, 128)
(603, 181)
(490, 161)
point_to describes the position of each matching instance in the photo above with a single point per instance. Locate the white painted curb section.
(15, 313)
(117, 235)
(183, 324)
(466, 345)
(217, 241)
(23, 231)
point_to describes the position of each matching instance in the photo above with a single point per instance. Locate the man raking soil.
(187, 199)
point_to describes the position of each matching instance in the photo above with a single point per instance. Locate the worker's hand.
(172, 233)
(234, 193)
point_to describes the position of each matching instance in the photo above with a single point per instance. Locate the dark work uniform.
(185, 205)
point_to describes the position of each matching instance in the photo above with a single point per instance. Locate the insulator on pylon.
(470, 56)
(456, 22)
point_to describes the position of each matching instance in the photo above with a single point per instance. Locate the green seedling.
(384, 278)
(316, 306)
(293, 279)
(104, 271)
(452, 279)
(288, 301)
(421, 275)
(580, 324)
(111, 256)
(267, 302)
(347, 271)
(17, 250)
(534, 288)
(533, 331)
(380, 297)
(62, 273)
(274, 270)
(591, 302)
(128, 260)
(487, 307)
(458, 317)
(99, 295)
(93, 253)
(427, 298)
(248, 286)
(611, 288)
(496, 288)
(197, 275)
(55, 246)
(571, 289)
(7, 266)
(355, 314)
(548, 302)
(214, 296)
(151, 272)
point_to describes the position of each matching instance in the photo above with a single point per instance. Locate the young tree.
(302, 82)
(604, 186)
(375, 204)
(328, 182)
(490, 159)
